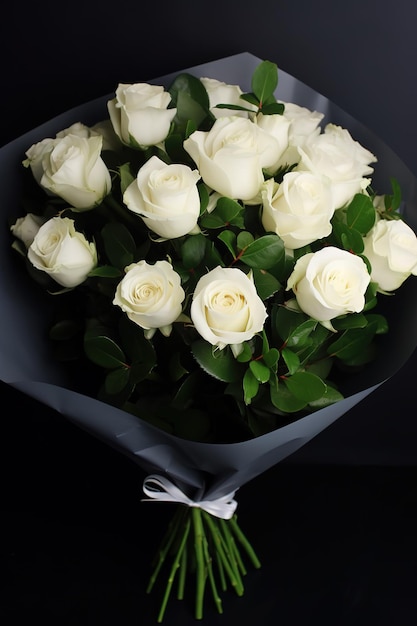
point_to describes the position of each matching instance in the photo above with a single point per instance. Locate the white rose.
(25, 228)
(335, 154)
(299, 209)
(278, 127)
(166, 197)
(231, 156)
(391, 248)
(35, 154)
(78, 129)
(75, 171)
(226, 308)
(151, 296)
(303, 125)
(329, 283)
(62, 252)
(223, 93)
(140, 114)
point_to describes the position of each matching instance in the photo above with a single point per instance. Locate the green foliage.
(179, 383)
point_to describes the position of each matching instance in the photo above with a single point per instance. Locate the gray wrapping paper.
(206, 470)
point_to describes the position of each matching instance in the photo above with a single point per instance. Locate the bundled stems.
(208, 547)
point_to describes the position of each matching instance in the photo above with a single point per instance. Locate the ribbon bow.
(162, 489)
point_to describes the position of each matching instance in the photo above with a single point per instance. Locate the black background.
(334, 524)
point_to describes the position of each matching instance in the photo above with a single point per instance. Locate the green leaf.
(227, 212)
(187, 391)
(244, 239)
(106, 271)
(228, 237)
(352, 320)
(381, 323)
(396, 195)
(264, 252)
(251, 98)
(306, 386)
(64, 330)
(291, 360)
(126, 177)
(176, 368)
(220, 364)
(266, 284)
(103, 351)
(119, 244)
(271, 358)
(264, 80)
(274, 108)
(193, 250)
(260, 371)
(284, 400)
(250, 386)
(116, 380)
(140, 350)
(360, 214)
(246, 354)
(191, 100)
(352, 342)
(300, 334)
(330, 396)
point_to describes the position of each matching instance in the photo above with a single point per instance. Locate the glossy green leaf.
(227, 211)
(266, 284)
(291, 360)
(330, 396)
(352, 342)
(250, 386)
(193, 250)
(119, 244)
(103, 351)
(284, 400)
(360, 214)
(301, 333)
(274, 108)
(220, 364)
(260, 371)
(228, 237)
(191, 100)
(353, 320)
(246, 354)
(306, 386)
(264, 80)
(264, 252)
(244, 239)
(271, 358)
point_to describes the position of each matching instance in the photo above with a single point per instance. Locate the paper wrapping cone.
(209, 469)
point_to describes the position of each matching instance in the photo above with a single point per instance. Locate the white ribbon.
(162, 489)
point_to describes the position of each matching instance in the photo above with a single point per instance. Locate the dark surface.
(335, 524)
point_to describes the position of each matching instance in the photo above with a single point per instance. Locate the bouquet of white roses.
(213, 261)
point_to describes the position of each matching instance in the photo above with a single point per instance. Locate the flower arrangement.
(215, 260)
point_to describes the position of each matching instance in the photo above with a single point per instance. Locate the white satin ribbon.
(162, 489)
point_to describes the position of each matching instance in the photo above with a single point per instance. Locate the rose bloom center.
(147, 293)
(228, 311)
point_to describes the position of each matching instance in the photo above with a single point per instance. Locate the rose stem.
(200, 573)
(244, 542)
(174, 568)
(227, 562)
(171, 534)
